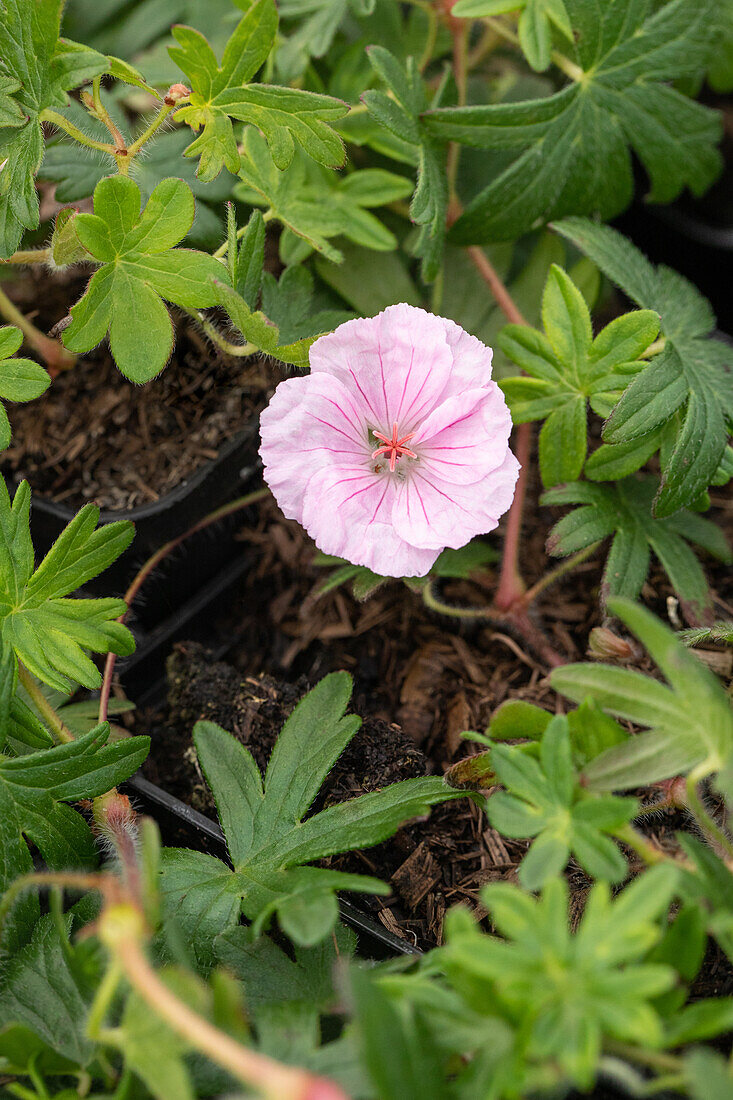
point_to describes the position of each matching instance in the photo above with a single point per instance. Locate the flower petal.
(396, 364)
(471, 358)
(348, 512)
(432, 514)
(464, 437)
(310, 423)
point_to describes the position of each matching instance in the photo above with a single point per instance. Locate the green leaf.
(708, 1076)
(33, 791)
(42, 627)
(269, 836)
(318, 23)
(369, 281)
(573, 149)
(688, 387)
(46, 989)
(568, 992)
(396, 1045)
(691, 724)
(569, 368)
(36, 69)
(20, 379)
(400, 113)
(542, 799)
(290, 998)
(221, 92)
(139, 266)
(623, 511)
(471, 558)
(256, 328)
(287, 302)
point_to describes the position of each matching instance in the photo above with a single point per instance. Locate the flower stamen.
(394, 447)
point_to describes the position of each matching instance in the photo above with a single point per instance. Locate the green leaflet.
(34, 790)
(270, 840)
(536, 22)
(77, 175)
(567, 991)
(139, 267)
(313, 34)
(36, 71)
(543, 799)
(221, 92)
(316, 204)
(690, 723)
(20, 379)
(39, 625)
(400, 114)
(623, 510)
(687, 389)
(569, 368)
(573, 148)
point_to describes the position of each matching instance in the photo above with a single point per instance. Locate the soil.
(419, 682)
(95, 436)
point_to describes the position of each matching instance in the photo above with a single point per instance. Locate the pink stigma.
(394, 447)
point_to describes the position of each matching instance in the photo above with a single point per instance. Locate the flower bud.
(175, 93)
(604, 645)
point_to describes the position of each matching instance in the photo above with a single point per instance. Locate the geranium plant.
(398, 209)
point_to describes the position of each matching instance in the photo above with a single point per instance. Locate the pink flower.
(395, 446)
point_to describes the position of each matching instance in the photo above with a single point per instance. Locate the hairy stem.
(242, 351)
(157, 122)
(639, 843)
(270, 1078)
(54, 355)
(154, 561)
(61, 734)
(61, 123)
(571, 70)
(559, 571)
(710, 828)
(101, 112)
(29, 256)
(491, 277)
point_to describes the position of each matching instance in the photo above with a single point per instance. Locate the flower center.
(394, 447)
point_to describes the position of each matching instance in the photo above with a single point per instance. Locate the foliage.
(359, 146)
(139, 266)
(270, 839)
(623, 510)
(20, 379)
(400, 112)
(38, 69)
(567, 369)
(34, 792)
(222, 92)
(39, 624)
(690, 721)
(687, 389)
(542, 799)
(574, 146)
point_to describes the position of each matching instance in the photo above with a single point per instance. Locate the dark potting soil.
(95, 436)
(432, 677)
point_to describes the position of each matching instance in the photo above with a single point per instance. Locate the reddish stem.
(503, 298)
(152, 563)
(511, 587)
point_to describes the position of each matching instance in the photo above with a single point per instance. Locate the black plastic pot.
(192, 564)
